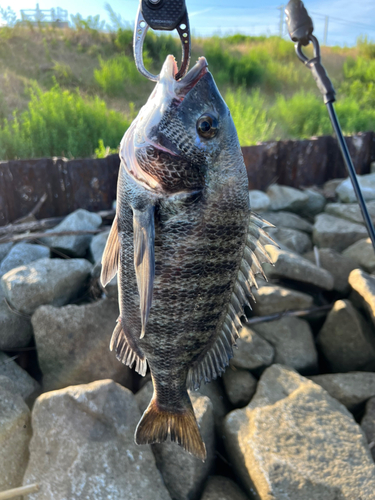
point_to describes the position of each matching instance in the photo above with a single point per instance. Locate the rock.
(346, 339)
(144, 395)
(9, 385)
(294, 240)
(111, 290)
(73, 344)
(213, 390)
(315, 204)
(183, 473)
(222, 488)
(240, 386)
(75, 245)
(97, 246)
(368, 424)
(288, 220)
(4, 250)
(15, 434)
(26, 386)
(294, 267)
(336, 233)
(272, 299)
(329, 188)
(22, 254)
(15, 330)
(363, 286)
(350, 211)
(286, 198)
(362, 253)
(293, 342)
(253, 351)
(259, 201)
(83, 447)
(351, 389)
(340, 266)
(345, 190)
(294, 441)
(45, 281)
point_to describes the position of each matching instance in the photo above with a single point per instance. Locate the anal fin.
(124, 352)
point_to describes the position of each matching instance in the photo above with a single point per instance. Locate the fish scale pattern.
(187, 237)
(199, 244)
(173, 173)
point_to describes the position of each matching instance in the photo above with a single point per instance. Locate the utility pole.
(282, 18)
(325, 38)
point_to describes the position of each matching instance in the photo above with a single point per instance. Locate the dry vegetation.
(83, 70)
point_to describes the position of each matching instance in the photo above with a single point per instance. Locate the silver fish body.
(185, 246)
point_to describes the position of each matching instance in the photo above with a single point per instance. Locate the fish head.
(180, 132)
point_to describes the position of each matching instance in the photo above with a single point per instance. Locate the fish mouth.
(170, 90)
(189, 81)
(143, 132)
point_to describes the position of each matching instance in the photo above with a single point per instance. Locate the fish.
(186, 248)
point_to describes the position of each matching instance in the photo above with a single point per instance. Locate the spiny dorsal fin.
(124, 352)
(259, 221)
(144, 259)
(111, 255)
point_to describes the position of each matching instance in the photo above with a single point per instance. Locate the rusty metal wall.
(91, 184)
(306, 163)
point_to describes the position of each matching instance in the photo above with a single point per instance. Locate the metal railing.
(51, 16)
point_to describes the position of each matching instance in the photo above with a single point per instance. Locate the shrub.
(360, 69)
(250, 116)
(60, 123)
(366, 48)
(115, 74)
(158, 47)
(229, 66)
(303, 115)
(124, 40)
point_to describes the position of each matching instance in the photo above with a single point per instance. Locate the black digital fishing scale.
(165, 15)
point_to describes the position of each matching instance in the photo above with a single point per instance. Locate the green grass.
(270, 93)
(115, 75)
(60, 123)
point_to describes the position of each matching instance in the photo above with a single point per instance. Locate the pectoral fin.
(144, 259)
(111, 255)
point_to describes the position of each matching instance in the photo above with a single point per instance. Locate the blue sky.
(347, 19)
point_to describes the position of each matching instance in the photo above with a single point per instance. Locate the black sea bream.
(185, 248)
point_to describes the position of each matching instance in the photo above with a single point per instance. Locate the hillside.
(64, 91)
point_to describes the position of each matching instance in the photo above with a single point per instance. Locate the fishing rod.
(301, 27)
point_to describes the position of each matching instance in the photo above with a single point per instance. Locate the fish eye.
(207, 126)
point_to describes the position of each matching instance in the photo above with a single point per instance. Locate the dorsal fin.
(144, 259)
(124, 352)
(217, 357)
(110, 255)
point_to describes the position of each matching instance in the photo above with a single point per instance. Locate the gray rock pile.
(296, 441)
(293, 415)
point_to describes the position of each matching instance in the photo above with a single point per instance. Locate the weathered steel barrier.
(91, 184)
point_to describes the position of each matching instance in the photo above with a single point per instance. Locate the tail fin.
(156, 423)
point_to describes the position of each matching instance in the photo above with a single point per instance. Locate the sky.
(347, 20)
